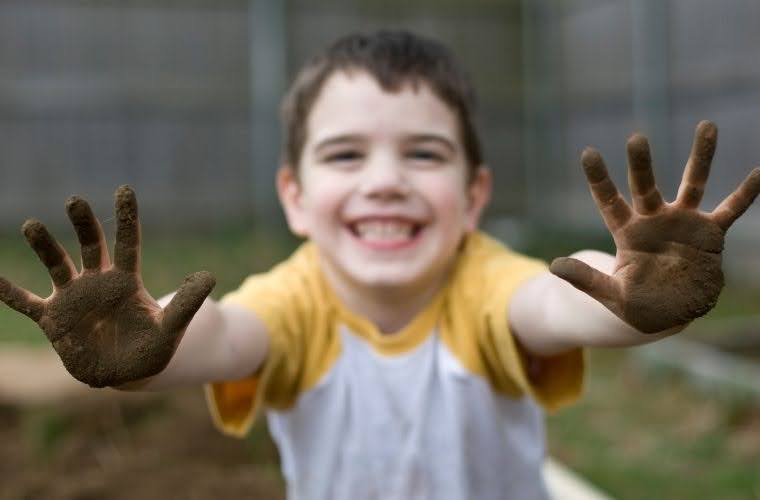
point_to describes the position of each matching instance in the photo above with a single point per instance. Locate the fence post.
(267, 70)
(650, 44)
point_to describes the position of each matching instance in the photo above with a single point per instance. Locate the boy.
(400, 353)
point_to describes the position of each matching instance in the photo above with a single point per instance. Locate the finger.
(50, 252)
(126, 253)
(186, 302)
(737, 202)
(21, 300)
(645, 196)
(89, 233)
(585, 278)
(698, 166)
(614, 209)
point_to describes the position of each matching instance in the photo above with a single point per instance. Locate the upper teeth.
(384, 230)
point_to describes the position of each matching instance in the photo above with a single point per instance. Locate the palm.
(668, 263)
(125, 312)
(102, 322)
(667, 278)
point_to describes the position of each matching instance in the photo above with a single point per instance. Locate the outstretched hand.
(104, 325)
(668, 262)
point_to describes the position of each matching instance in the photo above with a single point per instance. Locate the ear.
(289, 191)
(478, 196)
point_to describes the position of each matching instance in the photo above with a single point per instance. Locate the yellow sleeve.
(486, 279)
(301, 346)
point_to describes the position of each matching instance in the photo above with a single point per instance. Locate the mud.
(126, 253)
(89, 233)
(645, 196)
(108, 331)
(668, 264)
(738, 202)
(103, 324)
(21, 300)
(698, 167)
(50, 252)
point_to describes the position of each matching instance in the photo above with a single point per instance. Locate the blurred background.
(180, 100)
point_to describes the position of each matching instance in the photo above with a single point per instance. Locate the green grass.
(640, 436)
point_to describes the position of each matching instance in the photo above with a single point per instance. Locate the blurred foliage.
(548, 242)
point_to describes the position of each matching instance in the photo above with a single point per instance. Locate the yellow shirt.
(326, 365)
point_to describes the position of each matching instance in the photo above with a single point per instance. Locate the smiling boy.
(400, 353)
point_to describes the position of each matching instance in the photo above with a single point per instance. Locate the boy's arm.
(667, 267)
(549, 316)
(224, 341)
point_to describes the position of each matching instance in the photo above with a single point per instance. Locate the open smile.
(386, 233)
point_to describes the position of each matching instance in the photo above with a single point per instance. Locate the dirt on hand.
(668, 263)
(104, 325)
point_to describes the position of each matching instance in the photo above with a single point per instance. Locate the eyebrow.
(344, 138)
(445, 141)
(338, 139)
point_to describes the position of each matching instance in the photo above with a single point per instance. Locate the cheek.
(447, 195)
(323, 199)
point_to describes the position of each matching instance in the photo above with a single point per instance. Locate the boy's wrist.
(134, 385)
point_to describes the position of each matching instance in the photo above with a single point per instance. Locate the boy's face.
(382, 187)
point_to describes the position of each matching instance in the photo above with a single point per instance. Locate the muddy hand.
(668, 263)
(102, 322)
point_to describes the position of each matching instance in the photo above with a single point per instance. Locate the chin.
(383, 279)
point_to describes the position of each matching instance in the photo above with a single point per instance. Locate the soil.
(146, 447)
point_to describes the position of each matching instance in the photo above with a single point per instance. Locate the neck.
(389, 308)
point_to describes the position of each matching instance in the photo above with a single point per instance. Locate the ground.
(633, 435)
(160, 446)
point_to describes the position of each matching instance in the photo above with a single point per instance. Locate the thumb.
(186, 302)
(596, 284)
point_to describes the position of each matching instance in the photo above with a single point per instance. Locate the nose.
(384, 177)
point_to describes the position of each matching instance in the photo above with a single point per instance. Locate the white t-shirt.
(443, 409)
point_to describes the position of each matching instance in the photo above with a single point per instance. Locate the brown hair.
(393, 58)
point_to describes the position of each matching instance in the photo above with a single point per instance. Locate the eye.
(343, 156)
(426, 155)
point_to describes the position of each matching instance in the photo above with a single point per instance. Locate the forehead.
(356, 104)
